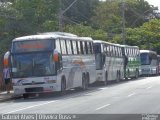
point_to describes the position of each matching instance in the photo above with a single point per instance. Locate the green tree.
(86, 31)
(80, 12)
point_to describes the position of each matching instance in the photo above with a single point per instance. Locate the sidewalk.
(5, 97)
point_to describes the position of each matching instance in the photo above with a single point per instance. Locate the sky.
(156, 3)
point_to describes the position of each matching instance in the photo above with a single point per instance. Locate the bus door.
(98, 56)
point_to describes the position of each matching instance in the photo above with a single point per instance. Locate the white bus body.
(149, 62)
(36, 70)
(109, 61)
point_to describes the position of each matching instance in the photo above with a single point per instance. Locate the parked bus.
(158, 57)
(51, 62)
(109, 61)
(149, 62)
(131, 55)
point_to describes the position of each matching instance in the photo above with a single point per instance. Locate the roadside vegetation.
(93, 18)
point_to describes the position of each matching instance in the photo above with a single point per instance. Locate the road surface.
(129, 97)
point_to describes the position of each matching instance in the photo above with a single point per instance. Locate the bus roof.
(148, 51)
(100, 41)
(128, 46)
(51, 35)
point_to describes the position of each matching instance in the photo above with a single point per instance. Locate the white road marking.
(103, 88)
(131, 94)
(149, 87)
(103, 106)
(30, 107)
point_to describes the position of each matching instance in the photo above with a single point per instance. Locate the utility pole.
(60, 16)
(61, 12)
(123, 22)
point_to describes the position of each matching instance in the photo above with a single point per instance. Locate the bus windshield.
(32, 64)
(145, 59)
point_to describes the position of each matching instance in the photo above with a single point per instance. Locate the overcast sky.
(156, 3)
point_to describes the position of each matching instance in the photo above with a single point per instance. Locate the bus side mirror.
(55, 57)
(6, 59)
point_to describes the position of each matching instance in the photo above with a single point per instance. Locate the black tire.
(118, 77)
(84, 85)
(63, 86)
(106, 79)
(87, 80)
(25, 96)
(128, 75)
(137, 74)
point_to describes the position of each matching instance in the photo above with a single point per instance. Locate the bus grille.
(33, 83)
(37, 89)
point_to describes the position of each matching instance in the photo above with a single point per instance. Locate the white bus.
(51, 62)
(149, 62)
(109, 61)
(132, 64)
(158, 57)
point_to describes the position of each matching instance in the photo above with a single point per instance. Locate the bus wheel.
(106, 79)
(118, 77)
(87, 80)
(63, 86)
(128, 74)
(84, 82)
(137, 74)
(25, 96)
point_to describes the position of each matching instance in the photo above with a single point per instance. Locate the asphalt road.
(129, 97)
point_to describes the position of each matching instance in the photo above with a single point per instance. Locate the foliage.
(86, 31)
(92, 18)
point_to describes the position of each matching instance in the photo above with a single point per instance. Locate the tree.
(80, 12)
(146, 37)
(87, 31)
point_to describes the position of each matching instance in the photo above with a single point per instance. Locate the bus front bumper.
(29, 89)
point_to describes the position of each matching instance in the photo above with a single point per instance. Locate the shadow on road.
(73, 93)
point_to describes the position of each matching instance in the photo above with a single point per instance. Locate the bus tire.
(120, 76)
(106, 79)
(87, 80)
(25, 96)
(63, 86)
(117, 77)
(137, 74)
(128, 74)
(84, 82)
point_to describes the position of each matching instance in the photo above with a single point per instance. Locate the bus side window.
(86, 47)
(91, 45)
(58, 47)
(74, 47)
(81, 47)
(63, 47)
(69, 49)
